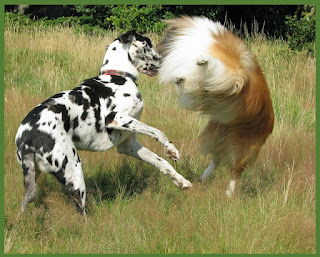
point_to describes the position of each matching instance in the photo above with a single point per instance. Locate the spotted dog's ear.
(128, 37)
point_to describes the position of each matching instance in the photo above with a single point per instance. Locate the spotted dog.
(101, 113)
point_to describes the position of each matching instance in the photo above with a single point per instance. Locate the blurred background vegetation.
(294, 23)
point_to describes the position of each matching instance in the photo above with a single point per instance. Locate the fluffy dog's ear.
(128, 37)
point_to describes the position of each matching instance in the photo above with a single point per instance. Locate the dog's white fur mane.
(191, 38)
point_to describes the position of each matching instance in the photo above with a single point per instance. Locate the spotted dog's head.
(141, 53)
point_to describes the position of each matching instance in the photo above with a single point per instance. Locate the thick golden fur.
(225, 83)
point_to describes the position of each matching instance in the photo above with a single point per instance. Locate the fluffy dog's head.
(207, 63)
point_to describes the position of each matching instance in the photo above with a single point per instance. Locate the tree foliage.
(292, 22)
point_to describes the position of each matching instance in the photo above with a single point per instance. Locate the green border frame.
(148, 2)
(2, 128)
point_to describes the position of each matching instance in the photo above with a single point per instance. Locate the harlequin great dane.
(101, 113)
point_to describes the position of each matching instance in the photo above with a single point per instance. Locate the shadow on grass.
(125, 180)
(128, 178)
(108, 182)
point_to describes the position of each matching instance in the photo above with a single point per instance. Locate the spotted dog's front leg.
(125, 122)
(133, 148)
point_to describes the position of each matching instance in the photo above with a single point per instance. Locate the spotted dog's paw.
(172, 152)
(183, 183)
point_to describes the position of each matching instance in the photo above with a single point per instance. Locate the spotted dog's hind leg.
(29, 172)
(71, 176)
(133, 148)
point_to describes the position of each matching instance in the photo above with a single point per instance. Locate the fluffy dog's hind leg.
(208, 170)
(233, 180)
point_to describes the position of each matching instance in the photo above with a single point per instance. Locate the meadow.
(132, 207)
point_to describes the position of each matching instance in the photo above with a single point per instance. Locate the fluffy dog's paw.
(172, 152)
(178, 80)
(202, 60)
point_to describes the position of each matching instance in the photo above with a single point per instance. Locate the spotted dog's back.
(82, 114)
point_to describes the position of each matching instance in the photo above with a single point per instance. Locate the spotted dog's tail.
(27, 162)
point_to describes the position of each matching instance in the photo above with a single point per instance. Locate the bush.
(146, 19)
(301, 30)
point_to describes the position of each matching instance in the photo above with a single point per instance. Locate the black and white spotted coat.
(101, 113)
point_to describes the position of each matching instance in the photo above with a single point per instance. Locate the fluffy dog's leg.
(208, 171)
(202, 60)
(231, 187)
(234, 179)
(133, 148)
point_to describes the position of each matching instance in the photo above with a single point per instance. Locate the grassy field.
(132, 208)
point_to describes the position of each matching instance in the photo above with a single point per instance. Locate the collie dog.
(215, 74)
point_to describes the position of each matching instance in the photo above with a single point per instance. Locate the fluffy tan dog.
(218, 76)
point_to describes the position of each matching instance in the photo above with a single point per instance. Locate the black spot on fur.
(139, 96)
(109, 118)
(75, 96)
(25, 170)
(118, 80)
(60, 108)
(97, 115)
(126, 125)
(56, 163)
(59, 95)
(75, 122)
(129, 58)
(49, 159)
(113, 107)
(60, 176)
(84, 115)
(86, 106)
(76, 138)
(126, 95)
(33, 117)
(96, 90)
(109, 102)
(74, 151)
(106, 62)
(18, 155)
(65, 162)
(36, 139)
(142, 39)
(114, 49)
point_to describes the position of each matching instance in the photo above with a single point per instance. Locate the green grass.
(132, 208)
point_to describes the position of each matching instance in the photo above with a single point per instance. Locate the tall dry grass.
(132, 208)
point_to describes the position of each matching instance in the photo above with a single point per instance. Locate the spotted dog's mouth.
(152, 73)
